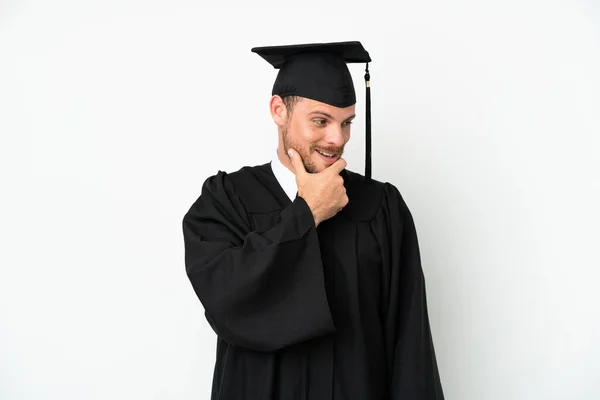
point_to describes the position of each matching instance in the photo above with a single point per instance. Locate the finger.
(297, 163)
(337, 166)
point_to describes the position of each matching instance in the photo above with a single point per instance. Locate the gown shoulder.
(253, 186)
(368, 197)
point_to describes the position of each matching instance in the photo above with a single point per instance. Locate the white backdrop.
(486, 116)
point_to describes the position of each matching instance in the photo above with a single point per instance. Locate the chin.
(313, 168)
(318, 168)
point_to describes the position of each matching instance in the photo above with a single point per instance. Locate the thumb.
(297, 162)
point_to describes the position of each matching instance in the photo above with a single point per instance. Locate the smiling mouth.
(329, 155)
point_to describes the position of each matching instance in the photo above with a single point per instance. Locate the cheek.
(306, 134)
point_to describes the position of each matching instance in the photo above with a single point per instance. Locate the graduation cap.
(319, 72)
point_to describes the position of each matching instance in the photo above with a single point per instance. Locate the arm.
(414, 370)
(261, 291)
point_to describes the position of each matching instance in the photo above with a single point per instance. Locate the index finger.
(337, 166)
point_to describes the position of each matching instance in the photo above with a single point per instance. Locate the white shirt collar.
(285, 177)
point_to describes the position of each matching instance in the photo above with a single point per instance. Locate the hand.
(324, 192)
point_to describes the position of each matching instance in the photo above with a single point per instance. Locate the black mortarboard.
(319, 72)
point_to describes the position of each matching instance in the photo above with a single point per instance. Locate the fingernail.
(290, 153)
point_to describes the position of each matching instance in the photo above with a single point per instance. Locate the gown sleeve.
(261, 291)
(414, 370)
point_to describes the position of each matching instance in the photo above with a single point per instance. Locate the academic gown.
(301, 312)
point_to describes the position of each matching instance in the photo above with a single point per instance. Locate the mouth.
(329, 158)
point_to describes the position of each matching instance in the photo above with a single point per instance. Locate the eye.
(347, 123)
(320, 121)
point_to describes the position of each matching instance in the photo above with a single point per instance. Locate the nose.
(335, 136)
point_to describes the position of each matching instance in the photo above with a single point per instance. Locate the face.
(318, 132)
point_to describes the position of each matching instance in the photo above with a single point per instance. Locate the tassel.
(368, 125)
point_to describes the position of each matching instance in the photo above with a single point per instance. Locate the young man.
(309, 273)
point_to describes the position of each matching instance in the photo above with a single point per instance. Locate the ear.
(278, 110)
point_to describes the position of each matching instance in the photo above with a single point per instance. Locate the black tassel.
(368, 126)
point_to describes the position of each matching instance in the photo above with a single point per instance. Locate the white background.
(486, 116)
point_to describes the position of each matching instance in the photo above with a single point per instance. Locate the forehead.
(310, 106)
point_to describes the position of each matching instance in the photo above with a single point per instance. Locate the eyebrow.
(331, 117)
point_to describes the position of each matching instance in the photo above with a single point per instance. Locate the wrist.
(317, 221)
(318, 218)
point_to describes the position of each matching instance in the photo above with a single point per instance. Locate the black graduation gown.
(334, 312)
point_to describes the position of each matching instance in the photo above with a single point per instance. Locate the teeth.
(325, 154)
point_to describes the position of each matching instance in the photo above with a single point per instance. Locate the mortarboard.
(319, 72)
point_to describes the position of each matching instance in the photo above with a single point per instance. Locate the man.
(309, 273)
